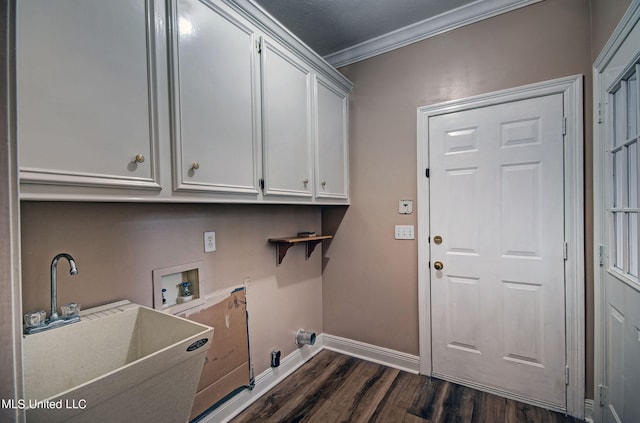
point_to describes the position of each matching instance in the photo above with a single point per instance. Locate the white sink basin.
(122, 362)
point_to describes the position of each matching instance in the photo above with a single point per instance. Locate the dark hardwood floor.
(334, 387)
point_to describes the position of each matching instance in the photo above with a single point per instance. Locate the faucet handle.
(36, 318)
(70, 310)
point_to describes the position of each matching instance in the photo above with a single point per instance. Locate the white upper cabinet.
(286, 121)
(86, 94)
(215, 102)
(332, 148)
(175, 100)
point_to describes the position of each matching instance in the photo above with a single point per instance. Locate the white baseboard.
(589, 407)
(271, 377)
(391, 358)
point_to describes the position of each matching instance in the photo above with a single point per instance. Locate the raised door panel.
(86, 94)
(215, 100)
(332, 160)
(286, 113)
(622, 351)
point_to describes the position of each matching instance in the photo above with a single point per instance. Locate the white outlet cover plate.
(209, 242)
(404, 232)
(405, 206)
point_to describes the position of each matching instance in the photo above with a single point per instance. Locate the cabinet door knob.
(195, 166)
(324, 184)
(306, 181)
(139, 158)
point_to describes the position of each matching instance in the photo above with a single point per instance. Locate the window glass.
(633, 175)
(625, 158)
(633, 244)
(632, 107)
(619, 239)
(619, 178)
(619, 113)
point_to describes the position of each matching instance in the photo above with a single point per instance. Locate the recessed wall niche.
(178, 288)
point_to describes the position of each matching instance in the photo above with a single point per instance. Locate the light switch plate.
(405, 206)
(209, 242)
(404, 232)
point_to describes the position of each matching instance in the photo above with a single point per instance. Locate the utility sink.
(121, 363)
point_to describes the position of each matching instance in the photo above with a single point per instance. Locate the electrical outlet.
(209, 242)
(275, 358)
(404, 232)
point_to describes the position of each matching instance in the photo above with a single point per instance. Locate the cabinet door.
(215, 103)
(286, 114)
(86, 95)
(332, 149)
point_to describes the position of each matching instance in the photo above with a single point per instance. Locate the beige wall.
(370, 279)
(117, 246)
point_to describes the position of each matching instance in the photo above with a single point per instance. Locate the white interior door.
(617, 191)
(497, 203)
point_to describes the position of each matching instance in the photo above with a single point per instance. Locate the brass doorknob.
(438, 265)
(139, 158)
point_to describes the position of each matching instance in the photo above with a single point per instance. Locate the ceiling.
(346, 31)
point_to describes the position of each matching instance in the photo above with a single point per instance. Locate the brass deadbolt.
(437, 239)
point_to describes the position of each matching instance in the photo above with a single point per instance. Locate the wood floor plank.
(394, 405)
(410, 418)
(296, 389)
(333, 387)
(363, 403)
(458, 405)
(318, 393)
(425, 403)
(488, 408)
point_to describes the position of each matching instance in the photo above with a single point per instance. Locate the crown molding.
(456, 18)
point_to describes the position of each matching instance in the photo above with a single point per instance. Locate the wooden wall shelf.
(283, 244)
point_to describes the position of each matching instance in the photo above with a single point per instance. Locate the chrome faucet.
(35, 322)
(73, 270)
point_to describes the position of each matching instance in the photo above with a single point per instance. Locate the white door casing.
(567, 92)
(616, 233)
